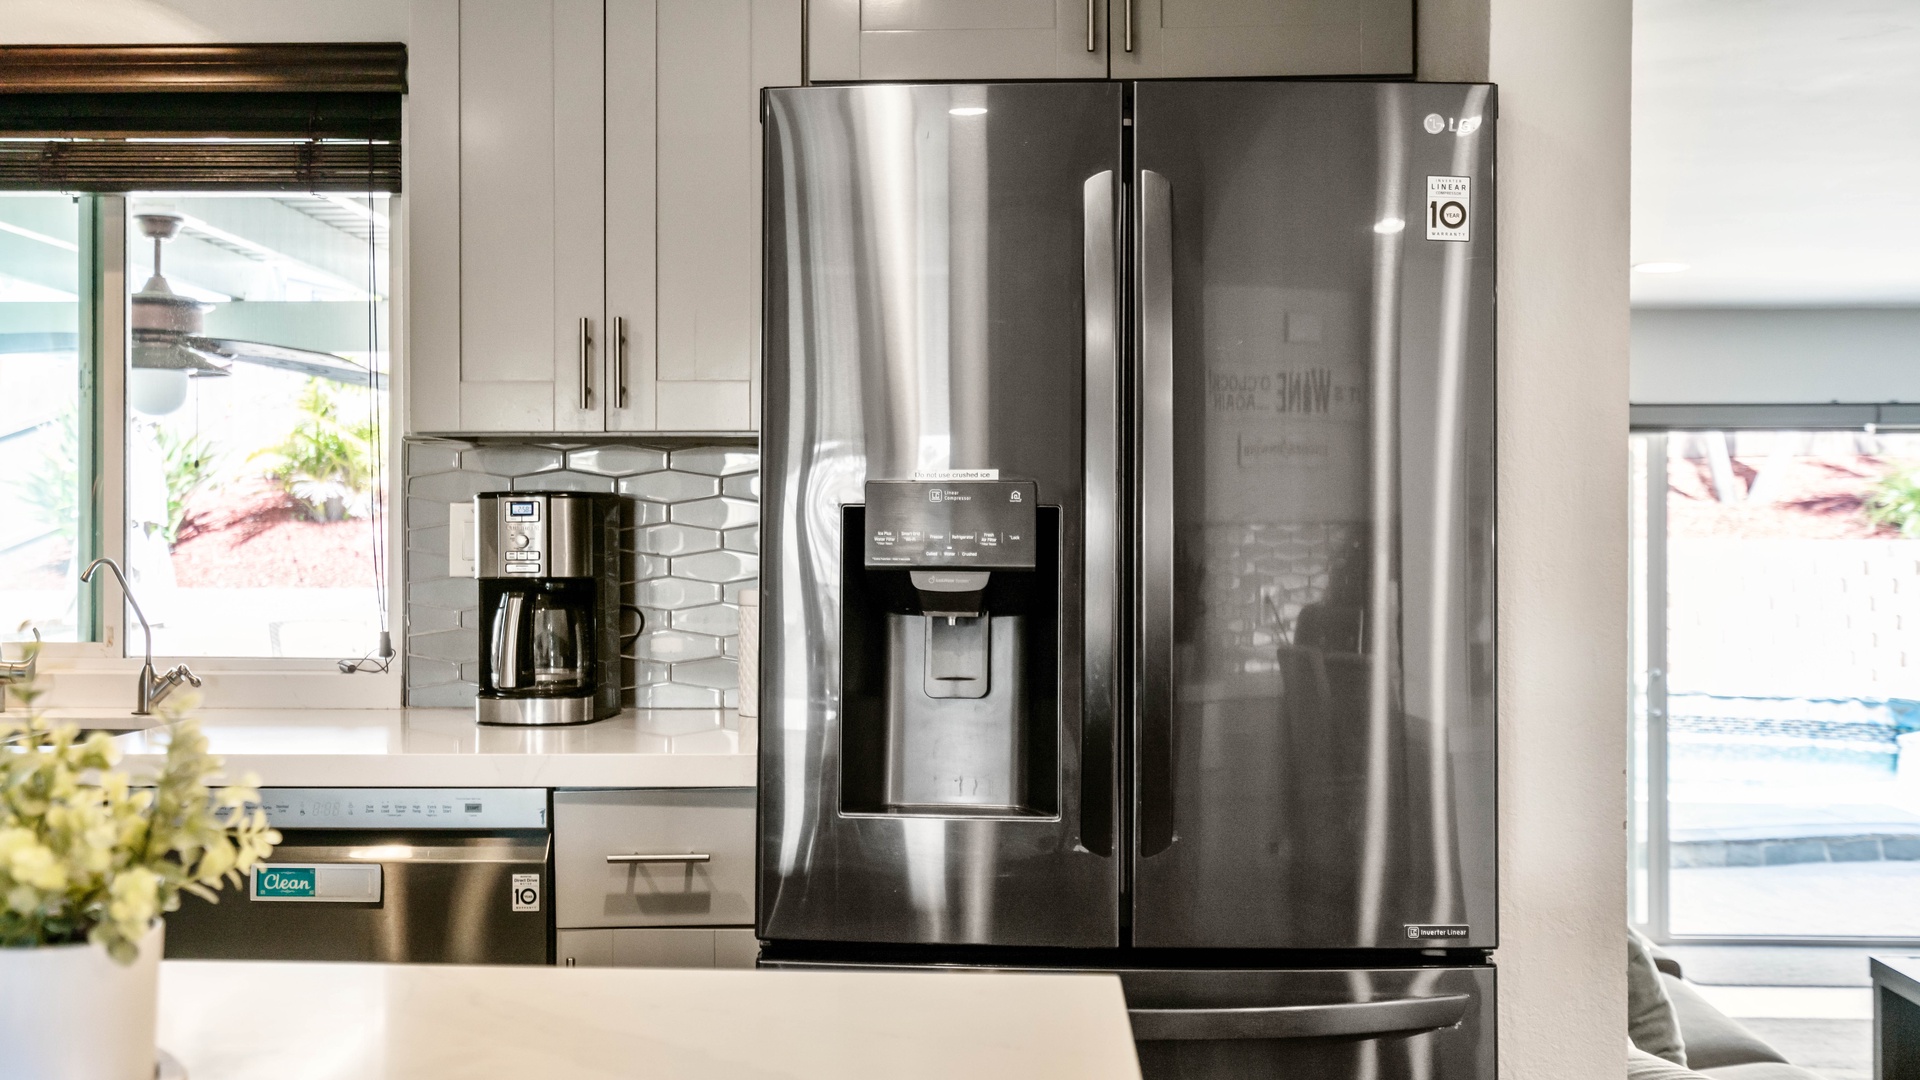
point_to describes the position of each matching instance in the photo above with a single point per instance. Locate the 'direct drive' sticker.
(1449, 207)
(526, 892)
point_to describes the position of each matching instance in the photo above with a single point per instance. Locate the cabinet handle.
(619, 361)
(686, 857)
(1128, 32)
(1090, 41)
(586, 364)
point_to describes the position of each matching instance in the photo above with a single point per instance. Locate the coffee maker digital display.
(549, 607)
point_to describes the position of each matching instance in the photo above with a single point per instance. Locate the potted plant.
(91, 859)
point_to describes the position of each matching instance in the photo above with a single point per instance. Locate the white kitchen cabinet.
(902, 40)
(606, 176)
(895, 40)
(1192, 39)
(683, 233)
(671, 948)
(532, 197)
(678, 857)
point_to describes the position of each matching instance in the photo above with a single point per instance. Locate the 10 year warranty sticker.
(1448, 208)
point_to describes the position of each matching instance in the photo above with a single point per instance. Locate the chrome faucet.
(152, 687)
(16, 672)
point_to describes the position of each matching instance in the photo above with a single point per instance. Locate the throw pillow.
(1652, 1024)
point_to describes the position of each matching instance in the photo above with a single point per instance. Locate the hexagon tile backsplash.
(693, 545)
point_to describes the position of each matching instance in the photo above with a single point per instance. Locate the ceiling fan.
(169, 346)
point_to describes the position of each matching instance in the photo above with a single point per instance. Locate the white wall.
(1801, 356)
(172, 22)
(1563, 71)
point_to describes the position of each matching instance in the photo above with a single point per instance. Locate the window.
(253, 441)
(44, 452)
(238, 399)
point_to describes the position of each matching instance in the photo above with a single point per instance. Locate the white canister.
(750, 652)
(68, 1012)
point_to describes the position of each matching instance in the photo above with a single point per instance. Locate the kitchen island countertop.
(231, 1020)
(444, 748)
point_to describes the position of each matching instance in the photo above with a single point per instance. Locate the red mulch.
(248, 535)
(1817, 499)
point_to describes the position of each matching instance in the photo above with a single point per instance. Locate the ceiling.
(1776, 151)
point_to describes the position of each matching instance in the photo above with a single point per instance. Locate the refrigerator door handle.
(1102, 523)
(1368, 1019)
(1155, 516)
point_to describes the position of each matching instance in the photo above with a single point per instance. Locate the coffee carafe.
(550, 607)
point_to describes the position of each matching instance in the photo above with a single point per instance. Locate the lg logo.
(1435, 124)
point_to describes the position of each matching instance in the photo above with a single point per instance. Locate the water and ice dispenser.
(949, 666)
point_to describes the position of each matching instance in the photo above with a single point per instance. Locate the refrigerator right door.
(1314, 722)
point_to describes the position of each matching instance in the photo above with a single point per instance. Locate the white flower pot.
(68, 1012)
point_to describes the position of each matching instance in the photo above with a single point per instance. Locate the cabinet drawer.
(669, 948)
(591, 826)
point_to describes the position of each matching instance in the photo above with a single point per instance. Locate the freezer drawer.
(1240, 1024)
(1397, 1024)
(653, 857)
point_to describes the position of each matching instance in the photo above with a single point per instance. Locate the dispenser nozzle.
(952, 593)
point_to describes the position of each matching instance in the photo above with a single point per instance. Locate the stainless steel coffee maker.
(548, 564)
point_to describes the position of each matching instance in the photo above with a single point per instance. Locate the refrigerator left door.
(941, 295)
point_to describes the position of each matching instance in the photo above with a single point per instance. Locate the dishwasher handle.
(1368, 1019)
(666, 857)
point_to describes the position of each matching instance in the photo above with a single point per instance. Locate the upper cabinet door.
(632, 96)
(1189, 39)
(884, 40)
(532, 211)
(683, 217)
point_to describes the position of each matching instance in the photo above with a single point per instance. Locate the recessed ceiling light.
(967, 110)
(1659, 267)
(1388, 226)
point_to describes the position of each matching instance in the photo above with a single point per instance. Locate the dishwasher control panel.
(404, 808)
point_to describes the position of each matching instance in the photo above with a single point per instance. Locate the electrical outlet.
(462, 540)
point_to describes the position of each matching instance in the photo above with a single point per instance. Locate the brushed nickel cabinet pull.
(620, 362)
(586, 364)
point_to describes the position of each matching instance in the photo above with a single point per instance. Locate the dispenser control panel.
(977, 524)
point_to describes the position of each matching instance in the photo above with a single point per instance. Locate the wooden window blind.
(297, 117)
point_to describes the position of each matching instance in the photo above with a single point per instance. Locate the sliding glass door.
(1776, 786)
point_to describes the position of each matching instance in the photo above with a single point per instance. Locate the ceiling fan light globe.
(156, 391)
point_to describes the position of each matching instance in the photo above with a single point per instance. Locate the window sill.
(108, 684)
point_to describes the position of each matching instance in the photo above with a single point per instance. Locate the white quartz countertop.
(445, 748)
(228, 1020)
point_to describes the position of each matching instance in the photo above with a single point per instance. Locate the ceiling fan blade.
(319, 365)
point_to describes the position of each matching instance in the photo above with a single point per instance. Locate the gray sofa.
(1716, 1044)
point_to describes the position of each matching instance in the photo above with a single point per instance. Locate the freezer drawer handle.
(1399, 1016)
(683, 857)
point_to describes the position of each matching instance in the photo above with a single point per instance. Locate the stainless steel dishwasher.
(420, 875)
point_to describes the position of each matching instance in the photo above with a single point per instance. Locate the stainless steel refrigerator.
(1127, 566)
